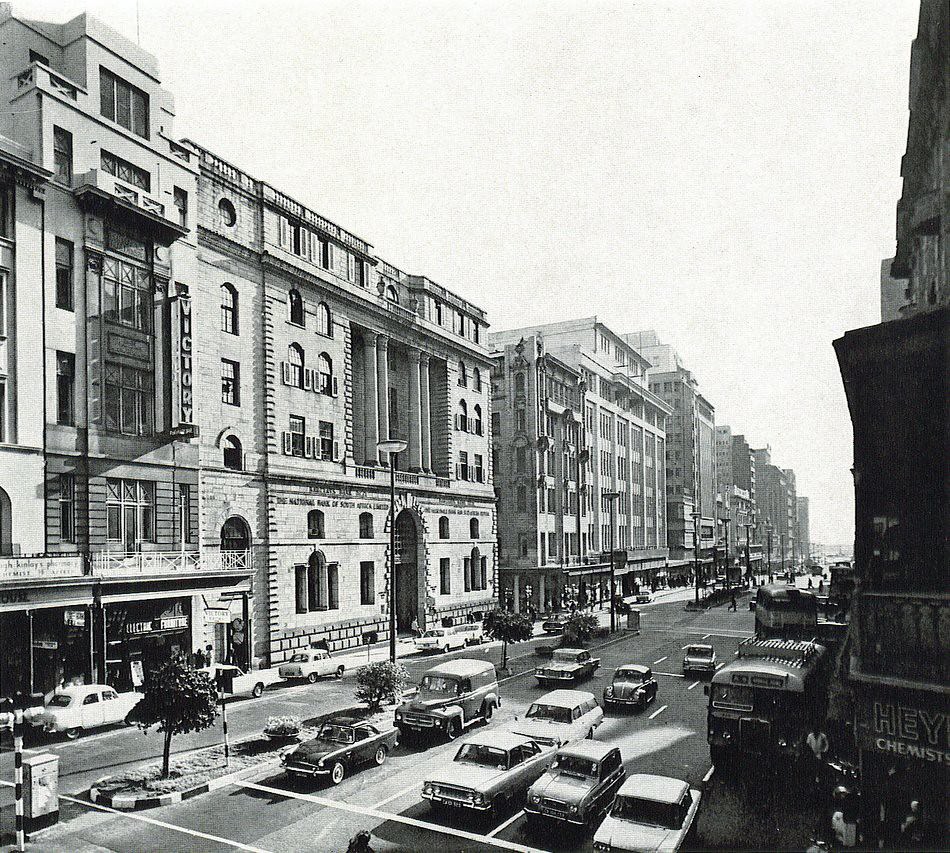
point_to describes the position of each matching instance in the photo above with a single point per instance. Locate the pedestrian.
(811, 584)
(732, 602)
(414, 627)
(911, 826)
(209, 655)
(821, 585)
(817, 742)
(359, 843)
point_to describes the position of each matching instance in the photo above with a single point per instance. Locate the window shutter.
(285, 372)
(336, 392)
(284, 238)
(329, 255)
(308, 446)
(307, 379)
(336, 451)
(288, 443)
(458, 471)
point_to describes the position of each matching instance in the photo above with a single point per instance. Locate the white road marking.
(684, 647)
(660, 660)
(413, 787)
(386, 816)
(506, 824)
(709, 773)
(706, 636)
(671, 674)
(692, 685)
(659, 711)
(154, 822)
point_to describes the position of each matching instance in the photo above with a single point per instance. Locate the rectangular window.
(463, 466)
(445, 576)
(3, 409)
(467, 572)
(125, 171)
(326, 440)
(479, 476)
(298, 428)
(128, 399)
(333, 586)
(367, 582)
(130, 510)
(67, 508)
(65, 388)
(483, 573)
(63, 155)
(126, 295)
(230, 382)
(300, 585)
(184, 514)
(181, 204)
(64, 274)
(123, 103)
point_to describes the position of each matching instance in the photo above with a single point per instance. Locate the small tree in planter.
(283, 728)
(380, 682)
(177, 699)
(508, 627)
(578, 629)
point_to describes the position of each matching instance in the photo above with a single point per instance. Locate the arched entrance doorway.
(408, 581)
(6, 524)
(235, 535)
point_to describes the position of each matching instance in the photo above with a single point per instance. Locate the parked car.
(488, 771)
(452, 696)
(237, 681)
(85, 706)
(567, 666)
(311, 664)
(579, 786)
(342, 744)
(649, 813)
(644, 596)
(441, 640)
(560, 717)
(554, 624)
(699, 657)
(473, 631)
(632, 685)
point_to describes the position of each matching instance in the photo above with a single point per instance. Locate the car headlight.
(573, 809)
(609, 691)
(320, 763)
(478, 798)
(398, 715)
(427, 788)
(538, 670)
(535, 798)
(601, 845)
(782, 742)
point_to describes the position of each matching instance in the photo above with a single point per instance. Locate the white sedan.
(311, 664)
(560, 717)
(238, 681)
(85, 706)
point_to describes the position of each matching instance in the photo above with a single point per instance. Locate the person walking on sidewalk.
(732, 602)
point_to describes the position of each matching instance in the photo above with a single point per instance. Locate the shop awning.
(210, 584)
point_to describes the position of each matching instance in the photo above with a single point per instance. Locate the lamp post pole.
(392, 447)
(696, 519)
(768, 535)
(725, 522)
(781, 551)
(748, 556)
(611, 498)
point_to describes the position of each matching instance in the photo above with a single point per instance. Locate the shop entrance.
(407, 571)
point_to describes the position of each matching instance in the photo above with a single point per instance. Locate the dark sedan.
(342, 744)
(553, 624)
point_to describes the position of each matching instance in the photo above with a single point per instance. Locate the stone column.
(516, 592)
(426, 412)
(370, 414)
(382, 392)
(541, 591)
(415, 416)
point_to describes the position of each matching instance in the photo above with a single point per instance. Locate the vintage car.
(649, 813)
(236, 681)
(85, 706)
(473, 631)
(560, 717)
(699, 657)
(579, 786)
(488, 771)
(441, 640)
(342, 744)
(452, 696)
(554, 623)
(633, 685)
(567, 666)
(310, 664)
(644, 596)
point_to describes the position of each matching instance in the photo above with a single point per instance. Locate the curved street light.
(392, 447)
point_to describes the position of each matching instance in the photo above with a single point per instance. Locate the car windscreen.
(60, 701)
(629, 675)
(337, 734)
(575, 766)
(734, 696)
(439, 684)
(649, 812)
(439, 633)
(554, 713)
(299, 658)
(699, 652)
(483, 755)
(565, 657)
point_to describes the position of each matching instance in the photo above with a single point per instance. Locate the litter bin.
(633, 621)
(40, 791)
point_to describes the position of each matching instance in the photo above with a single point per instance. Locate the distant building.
(735, 480)
(776, 510)
(803, 533)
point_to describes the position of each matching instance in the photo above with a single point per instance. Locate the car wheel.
(590, 734)
(454, 729)
(337, 772)
(445, 650)
(380, 756)
(312, 678)
(128, 720)
(73, 733)
(339, 672)
(487, 710)
(258, 690)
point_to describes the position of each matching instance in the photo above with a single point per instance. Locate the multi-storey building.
(743, 472)
(99, 501)
(803, 533)
(584, 385)
(690, 458)
(312, 350)
(776, 509)
(895, 378)
(737, 506)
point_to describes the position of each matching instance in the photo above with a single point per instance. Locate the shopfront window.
(130, 511)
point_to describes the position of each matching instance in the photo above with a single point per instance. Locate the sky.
(723, 172)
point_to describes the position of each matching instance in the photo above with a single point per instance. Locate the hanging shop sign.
(183, 401)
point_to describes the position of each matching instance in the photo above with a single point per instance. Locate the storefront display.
(142, 635)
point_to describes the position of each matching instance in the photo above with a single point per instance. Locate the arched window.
(476, 379)
(226, 213)
(463, 416)
(519, 383)
(392, 294)
(473, 528)
(295, 307)
(325, 367)
(233, 454)
(315, 528)
(479, 427)
(296, 362)
(463, 375)
(229, 309)
(324, 320)
(235, 535)
(366, 525)
(443, 527)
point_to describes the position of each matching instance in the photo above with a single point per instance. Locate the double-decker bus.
(763, 702)
(785, 612)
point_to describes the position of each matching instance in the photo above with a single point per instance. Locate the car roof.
(569, 651)
(82, 689)
(594, 750)
(344, 720)
(565, 698)
(499, 740)
(704, 646)
(462, 667)
(636, 667)
(659, 789)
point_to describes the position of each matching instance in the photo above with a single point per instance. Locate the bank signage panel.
(903, 728)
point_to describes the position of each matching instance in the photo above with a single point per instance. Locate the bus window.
(732, 696)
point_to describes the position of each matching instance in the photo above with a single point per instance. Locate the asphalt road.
(279, 814)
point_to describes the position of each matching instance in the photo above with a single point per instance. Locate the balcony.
(39, 76)
(902, 636)
(40, 567)
(108, 564)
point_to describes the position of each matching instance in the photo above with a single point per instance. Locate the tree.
(380, 682)
(179, 700)
(508, 627)
(578, 629)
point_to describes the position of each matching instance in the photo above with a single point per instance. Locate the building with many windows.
(736, 499)
(576, 423)
(776, 507)
(802, 533)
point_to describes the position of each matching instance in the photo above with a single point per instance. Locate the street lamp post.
(781, 552)
(696, 519)
(392, 447)
(748, 555)
(725, 523)
(611, 498)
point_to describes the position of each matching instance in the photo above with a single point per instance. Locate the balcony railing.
(903, 635)
(118, 564)
(40, 566)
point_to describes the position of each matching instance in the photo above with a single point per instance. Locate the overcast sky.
(725, 173)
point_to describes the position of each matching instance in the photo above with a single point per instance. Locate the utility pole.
(768, 533)
(696, 519)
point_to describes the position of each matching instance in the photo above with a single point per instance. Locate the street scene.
(474, 427)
